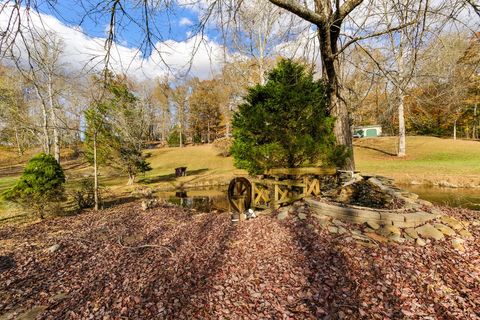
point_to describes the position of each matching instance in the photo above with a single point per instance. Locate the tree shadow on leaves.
(333, 280)
(332, 291)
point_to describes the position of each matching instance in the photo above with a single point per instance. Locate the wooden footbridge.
(276, 187)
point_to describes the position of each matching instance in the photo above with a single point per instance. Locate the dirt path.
(169, 264)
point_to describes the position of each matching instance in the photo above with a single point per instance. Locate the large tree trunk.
(208, 131)
(131, 179)
(46, 136)
(19, 145)
(56, 135)
(475, 131)
(401, 127)
(336, 105)
(455, 130)
(181, 134)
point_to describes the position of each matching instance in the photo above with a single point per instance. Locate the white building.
(368, 131)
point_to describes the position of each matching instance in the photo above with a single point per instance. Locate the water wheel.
(240, 194)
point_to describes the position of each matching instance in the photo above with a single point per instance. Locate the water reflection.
(215, 199)
(452, 197)
(201, 200)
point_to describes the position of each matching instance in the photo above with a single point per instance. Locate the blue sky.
(83, 48)
(173, 24)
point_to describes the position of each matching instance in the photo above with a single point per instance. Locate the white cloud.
(185, 22)
(200, 57)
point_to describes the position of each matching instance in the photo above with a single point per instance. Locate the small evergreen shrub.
(223, 146)
(41, 185)
(285, 123)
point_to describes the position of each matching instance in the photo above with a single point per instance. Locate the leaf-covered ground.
(166, 263)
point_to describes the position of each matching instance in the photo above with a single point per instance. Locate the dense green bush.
(285, 123)
(41, 185)
(223, 146)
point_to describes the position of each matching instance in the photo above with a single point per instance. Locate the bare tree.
(180, 97)
(43, 71)
(328, 18)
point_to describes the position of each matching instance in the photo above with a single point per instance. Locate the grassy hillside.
(203, 163)
(429, 160)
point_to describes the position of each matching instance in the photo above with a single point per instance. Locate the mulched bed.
(166, 263)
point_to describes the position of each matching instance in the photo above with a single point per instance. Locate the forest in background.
(48, 103)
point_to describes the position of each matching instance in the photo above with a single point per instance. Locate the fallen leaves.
(259, 269)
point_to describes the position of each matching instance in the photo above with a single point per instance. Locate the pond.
(453, 197)
(215, 199)
(199, 199)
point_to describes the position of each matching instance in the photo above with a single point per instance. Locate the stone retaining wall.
(397, 218)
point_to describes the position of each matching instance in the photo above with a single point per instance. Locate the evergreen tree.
(284, 123)
(115, 133)
(40, 185)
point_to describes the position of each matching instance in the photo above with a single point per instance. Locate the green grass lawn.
(429, 160)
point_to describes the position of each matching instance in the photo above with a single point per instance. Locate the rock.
(302, 209)
(445, 229)
(396, 238)
(282, 215)
(338, 223)
(457, 244)
(378, 183)
(393, 229)
(310, 226)
(410, 195)
(332, 229)
(383, 232)
(357, 232)
(437, 212)
(373, 225)
(376, 237)
(149, 204)
(302, 216)
(424, 203)
(452, 222)
(408, 238)
(465, 234)
(447, 184)
(323, 222)
(428, 231)
(476, 223)
(368, 230)
(291, 209)
(420, 242)
(342, 230)
(321, 218)
(345, 194)
(53, 248)
(388, 230)
(411, 233)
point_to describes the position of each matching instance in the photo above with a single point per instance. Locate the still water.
(215, 199)
(200, 199)
(453, 197)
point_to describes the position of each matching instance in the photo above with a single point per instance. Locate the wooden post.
(254, 203)
(241, 208)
